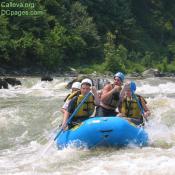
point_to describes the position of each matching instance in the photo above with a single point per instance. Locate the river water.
(29, 119)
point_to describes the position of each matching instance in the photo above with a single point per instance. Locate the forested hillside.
(101, 35)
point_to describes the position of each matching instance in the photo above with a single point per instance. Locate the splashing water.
(30, 116)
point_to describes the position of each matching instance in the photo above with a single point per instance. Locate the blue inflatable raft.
(103, 132)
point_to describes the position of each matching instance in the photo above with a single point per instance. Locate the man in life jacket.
(110, 96)
(129, 107)
(86, 110)
(75, 89)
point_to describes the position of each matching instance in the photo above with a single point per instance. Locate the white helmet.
(86, 80)
(76, 85)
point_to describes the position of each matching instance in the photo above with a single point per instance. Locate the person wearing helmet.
(75, 89)
(120, 75)
(86, 81)
(110, 96)
(87, 109)
(76, 86)
(129, 107)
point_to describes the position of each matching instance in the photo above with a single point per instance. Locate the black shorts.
(103, 112)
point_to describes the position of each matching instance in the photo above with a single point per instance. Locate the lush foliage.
(125, 35)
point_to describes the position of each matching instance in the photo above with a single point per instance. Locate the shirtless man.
(110, 97)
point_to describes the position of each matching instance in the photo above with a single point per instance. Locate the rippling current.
(30, 116)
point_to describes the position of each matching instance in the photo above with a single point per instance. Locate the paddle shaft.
(74, 113)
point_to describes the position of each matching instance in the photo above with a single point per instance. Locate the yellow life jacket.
(130, 108)
(71, 95)
(87, 108)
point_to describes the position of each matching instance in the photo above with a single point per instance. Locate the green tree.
(115, 57)
(4, 40)
(83, 27)
(147, 60)
(54, 46)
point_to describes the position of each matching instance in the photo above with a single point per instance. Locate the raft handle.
(109, 130)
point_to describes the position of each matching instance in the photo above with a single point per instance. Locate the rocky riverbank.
(7, 76)
(7, 72)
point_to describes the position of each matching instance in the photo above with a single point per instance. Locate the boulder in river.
(96, 81)
(150, 73)
(46, 78)
(3, 84)
(12, 81)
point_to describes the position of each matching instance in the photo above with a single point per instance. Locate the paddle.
(74, 113)
(133, 88)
